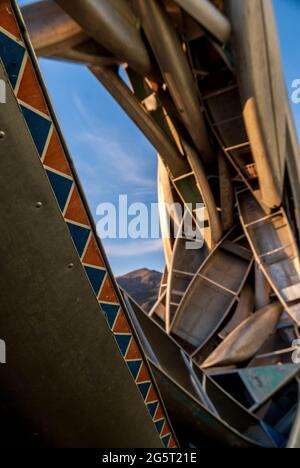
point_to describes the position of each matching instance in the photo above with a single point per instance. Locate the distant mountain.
(143, 286)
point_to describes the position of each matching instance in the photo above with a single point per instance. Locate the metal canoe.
(245, 340)
(212, 293)
(192, 420)
(184, 265)
(259, 390)
(50, 27)
(243, 311)
(262, 91)
(166, 202)
(112, 23)
(209, 17)
(174, 66)
(54, 33)
(275, 249)
(159, 308)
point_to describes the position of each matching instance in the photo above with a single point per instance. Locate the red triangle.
(30, 91)
(107, 293)
(152, 396)
(55, 156)
(8, 20)
(133, 352)
(159, 413)
(92, 255)
(166, 430)
(76, 211)
(143, 375)
(172, 443)
(121, 325)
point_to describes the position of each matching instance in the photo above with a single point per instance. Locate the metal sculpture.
(213, 104)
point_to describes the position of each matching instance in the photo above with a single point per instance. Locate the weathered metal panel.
(63, 368)
(54, 308)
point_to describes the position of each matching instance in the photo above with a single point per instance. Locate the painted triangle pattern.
(21, 73)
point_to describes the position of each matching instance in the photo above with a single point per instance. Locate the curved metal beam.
(209, 17)
(50, 27)
(206, 193)
(130, 104)
(175, 68)
(114, 26)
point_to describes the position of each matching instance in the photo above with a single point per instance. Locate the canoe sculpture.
(247, 411)
(202, 80)
(253, 23)
(214, 290)
(192, 404)
(275, 249)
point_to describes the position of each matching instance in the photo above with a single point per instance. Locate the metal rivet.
(2, 134)
(39, 204)
(71, 265)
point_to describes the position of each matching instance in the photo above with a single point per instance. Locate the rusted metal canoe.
(262, 91)
(214, 290)
(275, 250)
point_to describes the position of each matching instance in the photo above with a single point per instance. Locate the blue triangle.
(61, 186)
(111, 312)
(123, 342)
(134, 367)
(12, 55)
(152, 407)
(80, 237)
(144, 388)
(96, 277)
(166, 440)
(159, 425)
(39, 128)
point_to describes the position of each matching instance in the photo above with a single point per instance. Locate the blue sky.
(111, 155)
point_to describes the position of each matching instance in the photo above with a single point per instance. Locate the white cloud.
(102, 143)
